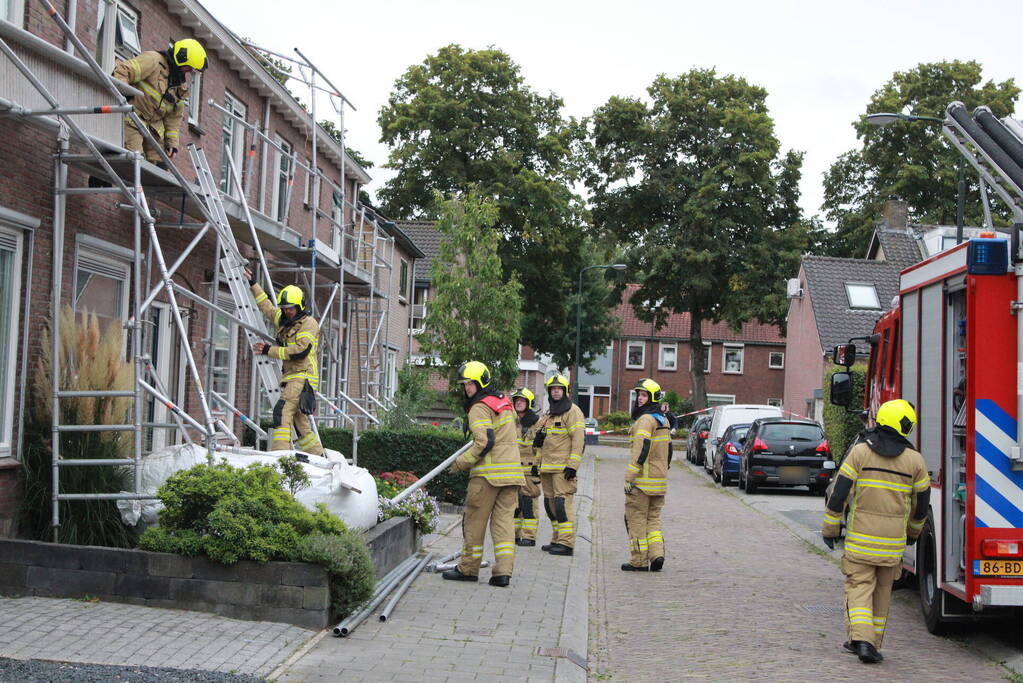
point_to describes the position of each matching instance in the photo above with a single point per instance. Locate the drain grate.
(569, 654)
(821, 609)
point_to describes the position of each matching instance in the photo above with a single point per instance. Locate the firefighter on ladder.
(887, 486)
(297, 340)
(495, 477)
(161, 76)
(526, 425)
(560, 439)
(646, 479)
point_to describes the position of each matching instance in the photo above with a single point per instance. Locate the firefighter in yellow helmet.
(887, 487)
(298, 336)
(561, 438)
(495, 477)
(646, 479)
(526, 426)
(161, 76)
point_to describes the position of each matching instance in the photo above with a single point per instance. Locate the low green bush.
(840, 427)
(617, 421)
(352, 576)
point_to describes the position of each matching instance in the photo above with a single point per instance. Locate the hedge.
(840, 427)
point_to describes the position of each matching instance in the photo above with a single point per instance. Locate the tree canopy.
(909, 159)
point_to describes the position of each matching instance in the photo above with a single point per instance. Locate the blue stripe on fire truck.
(999, 490)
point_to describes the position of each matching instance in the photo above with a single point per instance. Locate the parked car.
(726, 457)
(697, 440)
(724, 417)
(785, 452)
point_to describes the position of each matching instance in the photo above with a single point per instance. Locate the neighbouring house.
(744, 366)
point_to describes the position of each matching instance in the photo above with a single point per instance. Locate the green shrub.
(232, 514)
(344, 554)
(841, 427)
(617, 421)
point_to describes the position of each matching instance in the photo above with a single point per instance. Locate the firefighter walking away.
(646, 479)
(297, 340)
(887, 488)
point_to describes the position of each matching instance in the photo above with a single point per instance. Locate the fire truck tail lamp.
(996, 548)
(988, 256)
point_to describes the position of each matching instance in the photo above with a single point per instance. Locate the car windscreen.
(791, 432)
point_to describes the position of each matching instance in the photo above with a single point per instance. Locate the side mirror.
(844, 355)
(841, 389)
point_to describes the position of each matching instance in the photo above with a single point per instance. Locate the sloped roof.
(427, 238)
(901, 248)
(825, 282)
(677, 327)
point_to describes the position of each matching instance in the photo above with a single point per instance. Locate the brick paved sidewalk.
(112, 633)
(740, 598)
(455, 631)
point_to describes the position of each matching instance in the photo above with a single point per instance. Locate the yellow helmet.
(189, 52)
(526, 394)
(898, 414)
(474, 371)
(557, 381)
(291, 296)
(650, 387)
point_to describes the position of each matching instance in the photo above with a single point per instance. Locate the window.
(774, 402)
(792, 431)
(13, 11)
(101, 286)
(10, 297)
(634, 355)
(419, 297)
(118, 38)
(279, 201)
(862, 295)
(337, 214)
(403, 280)
(668, 357)
(307, 189)
(390, 379)
(732, 359)
(225, 351)
(720, 400)
(948, 241)
(708, 349)
(776, 360)
(195, 98)
(233, 146)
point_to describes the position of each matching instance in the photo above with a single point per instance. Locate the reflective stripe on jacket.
(566, 436)
(500, 464)
(296, 345)
(524, 438)
(163, 107)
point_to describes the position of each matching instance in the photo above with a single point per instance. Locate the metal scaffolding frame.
(365, 245)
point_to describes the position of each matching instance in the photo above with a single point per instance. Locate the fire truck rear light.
(996, 548)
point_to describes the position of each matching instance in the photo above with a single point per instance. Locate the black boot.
(559, 549)
(633, 568)
(867, 653)
(656, 564)
(547, 546)
(456, 575)
(849, 646)
(501, 581)
(525, 541)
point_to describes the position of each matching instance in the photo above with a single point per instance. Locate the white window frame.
(642, 362)
(337, 214)
(708, 350)
(117, 267)
(720, 399)
(426, 298)
(14, 242)
(724, 358)
(770, 355)
(237, 131)
(15, 12)
(108, 48)
(390, 373)
(403, 274)
(661, 348)
(776, 402)
(632, 399)
(873, 288)
(195, 98)
(226, 302)
(281, 175)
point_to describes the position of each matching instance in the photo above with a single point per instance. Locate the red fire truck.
(951, 346)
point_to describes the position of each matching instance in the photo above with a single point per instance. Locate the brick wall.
(804, 366)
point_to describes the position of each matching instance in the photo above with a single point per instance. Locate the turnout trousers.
(286, 416)
(529, 505)
(558, 494)
(643, 523)
(484, 503)
(868, 596)
(135, 142)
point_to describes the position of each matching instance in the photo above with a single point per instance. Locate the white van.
(728, 415)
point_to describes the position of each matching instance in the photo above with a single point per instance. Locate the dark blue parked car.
(726, 460)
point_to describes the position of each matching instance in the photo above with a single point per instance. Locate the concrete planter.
(290, 592)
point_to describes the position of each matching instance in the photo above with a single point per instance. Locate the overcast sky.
(819, 61)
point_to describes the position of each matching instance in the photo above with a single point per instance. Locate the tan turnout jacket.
(162, 107)
(296, 344)
(527, 454)
(648, 466)
(563, 446)
(499, 463)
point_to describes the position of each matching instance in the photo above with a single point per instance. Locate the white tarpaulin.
(349, 492)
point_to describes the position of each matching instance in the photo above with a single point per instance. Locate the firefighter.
(561, 438)
(495, 478)
(297, 340)
(161, 76)
(646, 479)
(887, 487)
(526, 425)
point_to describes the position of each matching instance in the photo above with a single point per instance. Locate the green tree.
(909, 159)
(333, 131)
(465, 118)
(695, 180)
(278, 68)
(476, 313)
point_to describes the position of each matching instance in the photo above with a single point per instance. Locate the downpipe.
(386, 614)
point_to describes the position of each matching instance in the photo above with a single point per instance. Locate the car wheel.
(715, 476)
(931, 596)
(725, 480)
(750, 486)
(741, 481)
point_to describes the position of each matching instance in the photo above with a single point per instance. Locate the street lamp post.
(579, 321)
(883, 119)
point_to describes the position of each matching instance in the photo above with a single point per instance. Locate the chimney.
(895, 212)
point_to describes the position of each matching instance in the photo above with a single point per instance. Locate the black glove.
(534, 471)
(265, 350)
(910, 541)
(569, 473)
(539, 438)
(830, 541)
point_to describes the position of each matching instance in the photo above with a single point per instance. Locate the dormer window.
(862, 296)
